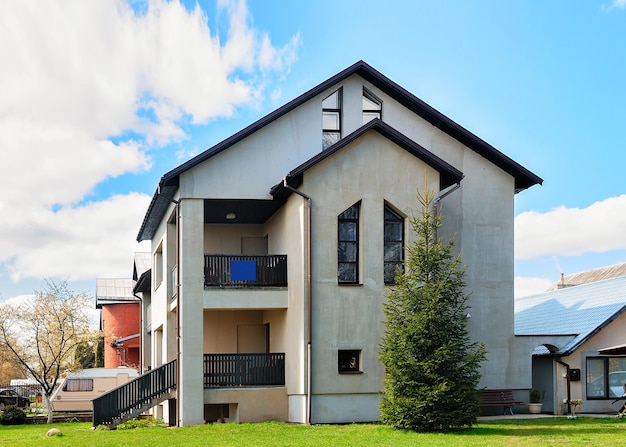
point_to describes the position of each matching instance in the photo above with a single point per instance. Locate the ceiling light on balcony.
(231, 216)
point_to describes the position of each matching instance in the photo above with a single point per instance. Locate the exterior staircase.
(129, 400)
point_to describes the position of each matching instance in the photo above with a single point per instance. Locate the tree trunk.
(48, 405)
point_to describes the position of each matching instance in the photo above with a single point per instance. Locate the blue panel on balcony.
(243, 270)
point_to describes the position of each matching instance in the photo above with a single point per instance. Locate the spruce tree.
(432, 367)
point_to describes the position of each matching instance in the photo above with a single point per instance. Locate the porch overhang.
(613, 350)
(239, 211)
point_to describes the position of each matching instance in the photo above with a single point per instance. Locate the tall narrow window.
(372, 106)
(348, 246)
(331, 119)
(394, 244)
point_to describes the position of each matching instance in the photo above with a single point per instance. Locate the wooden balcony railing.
(232, 370)
(245, 271)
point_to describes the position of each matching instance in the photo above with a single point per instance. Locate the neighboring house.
(577, 339)
(594, 275)
(120, 321)
(272, 254)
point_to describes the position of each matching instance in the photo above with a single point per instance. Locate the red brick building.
(120, 321)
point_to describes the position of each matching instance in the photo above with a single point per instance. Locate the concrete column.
(190, 306)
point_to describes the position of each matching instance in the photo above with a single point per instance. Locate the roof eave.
(449, 175)
(523, 177)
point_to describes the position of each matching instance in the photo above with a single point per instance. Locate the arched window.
(394, 244)
(348, 245)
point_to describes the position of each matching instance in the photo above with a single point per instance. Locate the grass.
(510, 433)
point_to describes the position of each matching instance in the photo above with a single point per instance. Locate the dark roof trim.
(593, 333)
(613, 350)
(143, 283)
(104, 301)
(523, 177)
(449, 175)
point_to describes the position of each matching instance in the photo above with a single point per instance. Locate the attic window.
(331, 119)
(372, 106)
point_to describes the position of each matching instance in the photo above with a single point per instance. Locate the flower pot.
(534, 408)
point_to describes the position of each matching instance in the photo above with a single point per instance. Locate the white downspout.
(309, 293)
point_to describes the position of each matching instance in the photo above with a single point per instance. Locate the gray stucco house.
(272, 253)
(576, 335)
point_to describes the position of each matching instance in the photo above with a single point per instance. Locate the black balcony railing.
(245, 271)
(233, 370)
(138, 394)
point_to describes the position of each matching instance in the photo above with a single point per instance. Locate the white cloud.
(525, 286)
(89, 88)
(621, 4)
(572, 231)
(75, 243)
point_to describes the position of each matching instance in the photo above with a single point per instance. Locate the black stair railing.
(134, 394)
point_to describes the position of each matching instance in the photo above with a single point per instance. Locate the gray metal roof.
(579, 311)
(141, 265)
(114, 290)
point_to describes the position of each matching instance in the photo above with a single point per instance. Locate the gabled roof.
(169, 182)
(580, 311)
(449, 175)
(114, 291)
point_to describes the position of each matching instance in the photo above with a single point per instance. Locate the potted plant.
(535, 401)
(573, 404)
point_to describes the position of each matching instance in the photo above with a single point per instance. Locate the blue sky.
(101, 98)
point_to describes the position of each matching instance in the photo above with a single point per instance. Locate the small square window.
(349, 361)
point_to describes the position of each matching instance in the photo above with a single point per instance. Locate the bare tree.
(42, 334)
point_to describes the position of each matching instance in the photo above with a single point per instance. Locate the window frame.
(367, 94)
(604, 380)
(353, 242)
(335, 111)
(78, 385)
(343, 355)
(388, 242)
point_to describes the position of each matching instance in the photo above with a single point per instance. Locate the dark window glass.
(78, 385)
(348, 245)
(394, 244)
(349, 360)
(606, 377)
(331, 119)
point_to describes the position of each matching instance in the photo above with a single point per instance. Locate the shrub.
(12, 416)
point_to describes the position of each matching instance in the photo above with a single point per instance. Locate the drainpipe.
(569, 391)
(438, 199)
(141, 347)
(309, 201)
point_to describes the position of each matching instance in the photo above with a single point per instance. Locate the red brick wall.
(119, 321)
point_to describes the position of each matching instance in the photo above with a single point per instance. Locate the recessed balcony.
(245, 271)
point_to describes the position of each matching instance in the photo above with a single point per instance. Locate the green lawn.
(510, 433)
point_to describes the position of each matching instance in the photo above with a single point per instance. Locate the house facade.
(119, 321)
(272, 253)
(575, 335)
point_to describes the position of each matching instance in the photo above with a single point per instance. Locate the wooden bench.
(498, 398)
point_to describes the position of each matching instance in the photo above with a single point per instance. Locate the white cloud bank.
(564, 232)
(89, 88)
(572, 231)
